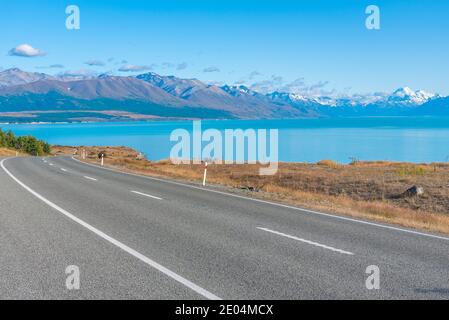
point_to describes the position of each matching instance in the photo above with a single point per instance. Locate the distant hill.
(169, 96)
(14, 76)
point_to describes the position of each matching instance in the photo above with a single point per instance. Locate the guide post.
(205, 174)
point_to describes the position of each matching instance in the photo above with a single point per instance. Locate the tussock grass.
(414, 170)
(329, 163)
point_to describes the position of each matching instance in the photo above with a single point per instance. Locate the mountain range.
(26, 96)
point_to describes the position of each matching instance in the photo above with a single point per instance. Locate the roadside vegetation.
(9, 144)
(406, 194)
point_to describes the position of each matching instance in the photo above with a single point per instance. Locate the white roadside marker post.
(102, 159)
(205, 173)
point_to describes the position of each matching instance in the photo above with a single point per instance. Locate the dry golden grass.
(6, 152)
(368, 190)
(329, 164)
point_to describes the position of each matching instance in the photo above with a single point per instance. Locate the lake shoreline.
(168, 120)
(417, 140)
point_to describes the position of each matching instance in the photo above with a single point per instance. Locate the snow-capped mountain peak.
(403, 92)
(407, 96)
(401, 97)
(287, 97)
(238, 90)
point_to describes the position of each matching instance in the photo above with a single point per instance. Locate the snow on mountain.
(197, 91)
(406, 96)
(182, 88)
(150, 89)
(238, 100)
(401, 97)
(286, 96)
(237, 91)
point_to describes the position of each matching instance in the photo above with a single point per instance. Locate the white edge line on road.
(115, 242)
(306, 241)
(274, 203)
(146, 195)
(90, 178)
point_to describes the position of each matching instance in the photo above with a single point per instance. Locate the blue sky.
(323, 43)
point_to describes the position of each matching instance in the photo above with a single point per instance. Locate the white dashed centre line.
(146, 195)
(63, 169)
(90, 178)
(306, 241)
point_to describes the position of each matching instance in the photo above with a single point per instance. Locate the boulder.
(414, 191)
(249, 188)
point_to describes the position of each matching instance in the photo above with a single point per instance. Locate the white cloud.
(266, 86)
(52, 66)
(57, 66)
(25, 50)
(298, 86)
(133, 68)
(211, 69)
(80, 74)
(97, 63)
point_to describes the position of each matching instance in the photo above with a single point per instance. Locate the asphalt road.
(136, 237)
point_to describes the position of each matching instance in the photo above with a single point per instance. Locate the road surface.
(134, 237)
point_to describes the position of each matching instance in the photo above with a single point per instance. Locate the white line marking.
(115, 242)
(51, 164)
(146, 195)
(63, 169)
(90, 178)
(274, 203)
(306, 241)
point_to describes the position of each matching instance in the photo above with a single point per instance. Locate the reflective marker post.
(205, 173)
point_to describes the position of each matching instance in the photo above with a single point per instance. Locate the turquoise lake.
(304, 140)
